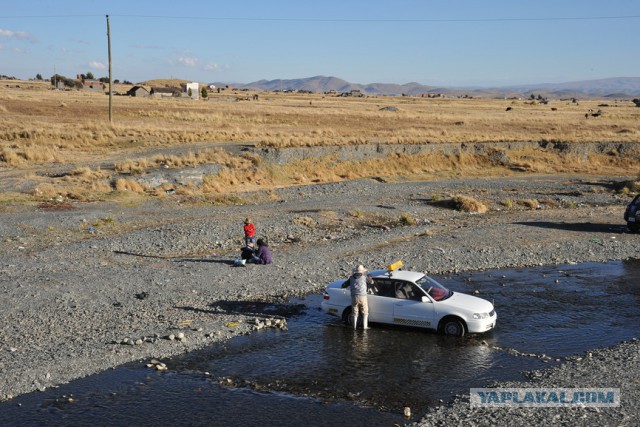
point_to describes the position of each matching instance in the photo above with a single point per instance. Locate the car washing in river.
(409, 298)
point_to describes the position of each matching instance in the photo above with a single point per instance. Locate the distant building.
(194, 87)
(139, 91)
(165, 92)
(93, 85)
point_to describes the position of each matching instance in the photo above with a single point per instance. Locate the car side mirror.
(425, 299)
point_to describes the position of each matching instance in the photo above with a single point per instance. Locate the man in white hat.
(358, 282)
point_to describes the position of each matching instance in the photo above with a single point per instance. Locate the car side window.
(383, 288)
(406, 290)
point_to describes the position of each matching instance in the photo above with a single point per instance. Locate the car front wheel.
(633, 226)
(453, 327)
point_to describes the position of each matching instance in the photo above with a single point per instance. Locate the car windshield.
(433, 288)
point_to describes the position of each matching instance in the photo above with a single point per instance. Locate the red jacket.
(249, 230)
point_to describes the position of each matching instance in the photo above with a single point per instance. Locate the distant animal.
(509, 109)
(554, 109)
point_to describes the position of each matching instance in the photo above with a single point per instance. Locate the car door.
(380, 300)
(408, 307)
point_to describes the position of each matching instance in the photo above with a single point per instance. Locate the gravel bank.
(616, 367)
(87, 287)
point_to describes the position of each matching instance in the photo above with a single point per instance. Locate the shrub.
(530, 203)
(468, 204)
(123, 184)
(550, 203)
(406, 219)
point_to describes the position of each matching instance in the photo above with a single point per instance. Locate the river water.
(320, 372)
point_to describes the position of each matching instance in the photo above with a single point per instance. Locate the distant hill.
(619, 87)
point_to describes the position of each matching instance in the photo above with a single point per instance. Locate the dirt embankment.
(90, 286)
(630, 151)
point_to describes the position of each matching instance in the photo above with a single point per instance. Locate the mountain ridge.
(618, 87)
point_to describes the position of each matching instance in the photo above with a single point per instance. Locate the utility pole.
(110, 78)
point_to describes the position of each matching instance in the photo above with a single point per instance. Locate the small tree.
(189, 92)
(38, 76)
(637, 102)
(90, 76)
(204, 92)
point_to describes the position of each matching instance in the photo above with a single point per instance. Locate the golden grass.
(529, 203)
(507, 203)
(39, 126)
(406, 219)
(77, 120)
(468, 204)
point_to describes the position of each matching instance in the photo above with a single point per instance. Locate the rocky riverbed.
(89, 286)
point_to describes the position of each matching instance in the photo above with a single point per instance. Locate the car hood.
(468, 303)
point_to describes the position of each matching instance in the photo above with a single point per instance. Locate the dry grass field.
(43, 129)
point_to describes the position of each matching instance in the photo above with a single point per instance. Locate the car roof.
(411, 276)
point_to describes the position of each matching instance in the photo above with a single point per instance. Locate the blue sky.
(433, 42)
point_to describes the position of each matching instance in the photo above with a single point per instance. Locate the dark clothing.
(247, 252)
(264, 254)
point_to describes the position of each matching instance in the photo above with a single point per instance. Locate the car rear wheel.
(633, 226)
(453, 327)
(346, 315)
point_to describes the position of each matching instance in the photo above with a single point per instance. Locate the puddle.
(321, 370)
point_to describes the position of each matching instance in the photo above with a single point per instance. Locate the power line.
(385, 20)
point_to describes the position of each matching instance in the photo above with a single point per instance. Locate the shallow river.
(320, 372)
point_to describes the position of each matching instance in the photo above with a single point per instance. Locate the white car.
(409, 298)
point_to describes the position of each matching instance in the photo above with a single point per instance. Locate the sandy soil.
(86, 287)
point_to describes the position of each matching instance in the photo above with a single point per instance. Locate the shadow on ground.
(250, 307)
(582, 227)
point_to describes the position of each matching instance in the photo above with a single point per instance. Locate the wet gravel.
(89, 286)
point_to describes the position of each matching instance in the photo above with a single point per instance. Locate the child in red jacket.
(249, 231)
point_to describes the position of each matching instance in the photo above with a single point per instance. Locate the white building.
(195, 89)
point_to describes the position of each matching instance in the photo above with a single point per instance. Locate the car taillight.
(326, 296)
